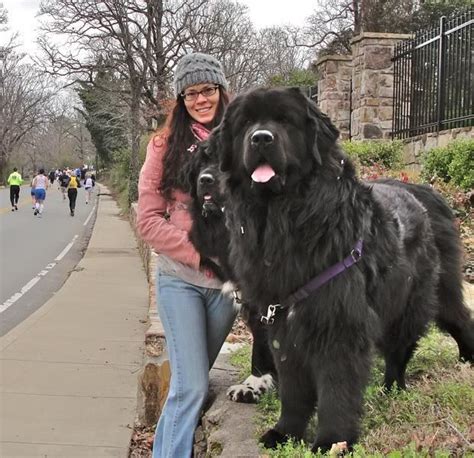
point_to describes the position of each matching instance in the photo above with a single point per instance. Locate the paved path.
(69, 372)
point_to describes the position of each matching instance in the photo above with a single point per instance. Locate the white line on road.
(68, 247)
(26, 288)
(33, 281)
(89, 217)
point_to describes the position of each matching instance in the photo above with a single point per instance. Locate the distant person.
(63, 179)
(74, 183)
(41, 184)
(15, 181)
(88, 185)
(32, 194)
(52, 176)
(83, 173)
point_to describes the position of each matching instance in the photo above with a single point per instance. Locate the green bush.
(370, 152)
(452, 163)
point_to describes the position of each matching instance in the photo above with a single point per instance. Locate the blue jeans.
(196, 321)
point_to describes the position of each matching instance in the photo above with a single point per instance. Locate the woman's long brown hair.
(180, 138)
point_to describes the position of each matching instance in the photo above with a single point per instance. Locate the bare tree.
(25, 95)
(331, 27)
(138, 39)
(3, 16)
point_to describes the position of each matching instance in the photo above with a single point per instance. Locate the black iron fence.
(434, 79)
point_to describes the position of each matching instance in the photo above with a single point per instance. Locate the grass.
(433, 418)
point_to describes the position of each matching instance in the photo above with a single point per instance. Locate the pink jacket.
(168, 236)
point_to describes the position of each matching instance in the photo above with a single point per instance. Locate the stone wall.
(415, 146)
(370, 68)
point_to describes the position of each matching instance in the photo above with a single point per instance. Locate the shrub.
(369, 152)
(452, 163)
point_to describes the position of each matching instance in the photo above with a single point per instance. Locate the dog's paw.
(272, 438)
(251, 389)
(333, 449)
(243, 393)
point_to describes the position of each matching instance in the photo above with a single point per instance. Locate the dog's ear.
(323, 132)
(219, 142)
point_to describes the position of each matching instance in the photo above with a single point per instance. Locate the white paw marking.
(252, 388)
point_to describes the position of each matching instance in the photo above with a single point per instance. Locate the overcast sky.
(21, 14)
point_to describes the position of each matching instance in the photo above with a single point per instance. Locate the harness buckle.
(271, 312)
(356, 255)
(237, 297)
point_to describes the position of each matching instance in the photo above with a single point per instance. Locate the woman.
(72, 186)
(88, 185)
(40, 184)
(195, 315)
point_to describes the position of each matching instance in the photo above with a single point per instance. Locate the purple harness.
(315, 283)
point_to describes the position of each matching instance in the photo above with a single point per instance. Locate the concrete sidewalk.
(69, 372)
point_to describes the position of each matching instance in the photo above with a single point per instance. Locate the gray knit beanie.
(197, 68)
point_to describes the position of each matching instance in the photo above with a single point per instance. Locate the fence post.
(441, 72)
(334, 90)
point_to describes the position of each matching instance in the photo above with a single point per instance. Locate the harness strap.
(316, 282)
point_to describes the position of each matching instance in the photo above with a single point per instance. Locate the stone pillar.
(334, 88)
(372, 84)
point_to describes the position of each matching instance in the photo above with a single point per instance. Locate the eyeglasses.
(193, 95)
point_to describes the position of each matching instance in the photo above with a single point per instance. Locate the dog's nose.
(206, 178)
(261, 138)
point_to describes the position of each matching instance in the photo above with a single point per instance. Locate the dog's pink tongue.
(263, 173)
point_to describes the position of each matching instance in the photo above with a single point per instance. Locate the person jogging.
(88, 185)
(40, 184)
(63, 179)
(15, 181)
(72, 186)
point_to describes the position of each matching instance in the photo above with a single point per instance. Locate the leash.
(315, 283)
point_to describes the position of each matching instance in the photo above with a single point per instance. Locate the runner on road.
(88, 185)
(32, 192)
(15, 181)
(74, 183)
(41, 184)
(63, 182)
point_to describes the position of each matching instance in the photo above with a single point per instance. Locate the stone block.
(368, 114)
(377, 58)
(385, 113)
(444, 138)
(371, 131)
(385, 125)
(154, 382)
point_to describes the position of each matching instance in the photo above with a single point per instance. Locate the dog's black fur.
(211, 238)
(289, 228)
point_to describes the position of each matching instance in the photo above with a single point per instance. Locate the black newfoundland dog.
(211, 238)
(334, 266)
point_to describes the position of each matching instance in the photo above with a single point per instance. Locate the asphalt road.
(38, 254)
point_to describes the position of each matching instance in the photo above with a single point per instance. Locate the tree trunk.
(135, 147)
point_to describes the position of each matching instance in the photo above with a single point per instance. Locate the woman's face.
(201, 101)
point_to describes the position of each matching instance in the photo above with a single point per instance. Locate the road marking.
(33, 281)
(68, 247)
(89, 217)
(26, 288)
